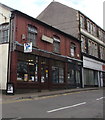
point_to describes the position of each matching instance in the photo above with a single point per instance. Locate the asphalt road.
(84, 104)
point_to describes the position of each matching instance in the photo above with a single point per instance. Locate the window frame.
(56, 44)
(83, 44)
(32, 34)
(4, 33)
(73, 47)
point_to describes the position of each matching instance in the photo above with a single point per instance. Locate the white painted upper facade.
(5, 13)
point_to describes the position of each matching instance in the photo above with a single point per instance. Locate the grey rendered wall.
(61, 17)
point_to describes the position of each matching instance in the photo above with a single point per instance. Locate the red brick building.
(55, 60)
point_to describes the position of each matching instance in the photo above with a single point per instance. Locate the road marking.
(62, 108)
(100, 98)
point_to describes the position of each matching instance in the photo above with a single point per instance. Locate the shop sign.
(10, 88)
(103, 67)
(47, 39)
(27, 47)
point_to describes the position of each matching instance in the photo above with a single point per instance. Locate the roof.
(43, 23)
(6, 7)
(60, 16)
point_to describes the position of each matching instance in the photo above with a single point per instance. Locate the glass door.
(44, 73)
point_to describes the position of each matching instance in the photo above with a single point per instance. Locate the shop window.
(61, 75)
(83, 44)
(57, 75)
(71, 76)
(90, 77)
(22, 71)
(44, 70)
(57, 72)
(77, 78)
(4, 31)
(32, 32)
(27, 69)
(56, 44)
(73, 50)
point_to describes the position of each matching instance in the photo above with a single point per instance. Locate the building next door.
(44, 73)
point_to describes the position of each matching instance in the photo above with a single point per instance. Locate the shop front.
(92, 72)
(42, 70)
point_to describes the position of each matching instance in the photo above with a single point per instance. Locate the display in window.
(25, 77)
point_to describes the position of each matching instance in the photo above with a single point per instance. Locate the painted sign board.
(28, 47)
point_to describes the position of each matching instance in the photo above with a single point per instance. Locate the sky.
(91, 8)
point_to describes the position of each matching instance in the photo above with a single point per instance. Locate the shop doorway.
(44, 73)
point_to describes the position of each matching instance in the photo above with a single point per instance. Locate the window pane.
(55, 73)
(83, 44)
(61, 75)
(4, 33)
(22, 71)
(32, 32)
(73, 50)
(56, 45)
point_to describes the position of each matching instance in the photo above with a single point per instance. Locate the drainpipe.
(9, 50)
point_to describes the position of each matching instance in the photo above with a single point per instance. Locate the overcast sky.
(91, 8)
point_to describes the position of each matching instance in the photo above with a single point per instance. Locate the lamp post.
(10, 85)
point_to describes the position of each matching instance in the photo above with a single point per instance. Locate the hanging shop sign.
(27, 47)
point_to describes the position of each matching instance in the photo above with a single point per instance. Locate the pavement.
(35, 94)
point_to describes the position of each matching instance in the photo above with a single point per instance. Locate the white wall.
(5, 13)
(3, 65)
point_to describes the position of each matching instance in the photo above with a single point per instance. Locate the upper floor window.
(104, 37)
(88, 25)
(32, 32)
(91, 28)
(100, 34)
(56, 44)
(82, 21)
(95, 50)
(73, 50)
(101, 52)
(4, 33)
(92, 48)
(83, 44)
(94, 30)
